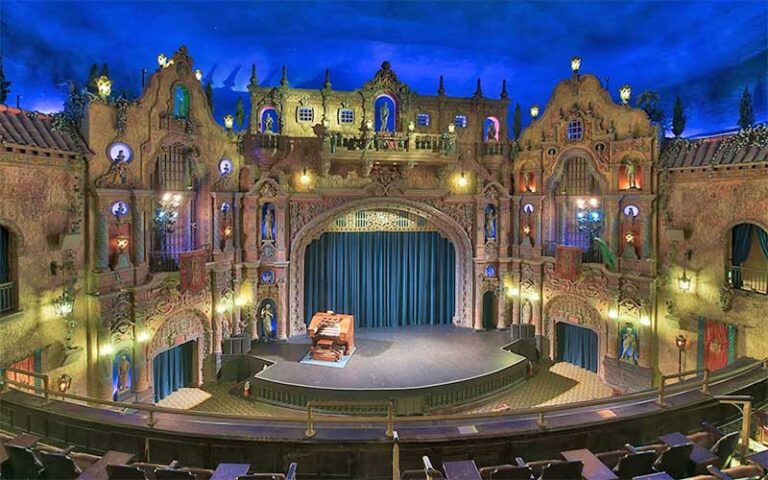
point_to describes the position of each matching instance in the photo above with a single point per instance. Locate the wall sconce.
(513, 291)
(222, 308)
(411, 126)
(63, 383)
(575, 65)
(684, 282)
(227, 232)
(241, 300)
(645, 320)
(451, 128)
(143, 336)
(107, 349)
(199, 74)
(162, 60)
(624, 93)
(534, 111)
(64, 303)
(462, 180)
(613, 314)
(533, 296)
(104, 86)
(229, 121)
(681, 342)
(527, 229)
(304, 178)
(369, 125)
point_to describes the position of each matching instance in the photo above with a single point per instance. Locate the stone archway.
(194, 326)
(447, 226)
(576, 311)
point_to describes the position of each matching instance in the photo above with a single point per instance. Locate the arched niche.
(181, 101)
(269, 120)
(447, 226)
(385, 111)
(491, 129)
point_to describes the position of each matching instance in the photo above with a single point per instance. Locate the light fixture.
(227, 231)
(593, 202)
(162, 60)
(462, 180)
(613, 314)
(581, 203)
(143, 336)
(64, 303)
(451, 128)
(107, 349)
(304, 179)
(168, 212)
(629, 237)
(533, 296)
(534, 111)
(624, 93)
(104, 86)
(198, 74)
(681, 342)
(527, 229)
(684, 282)
(575, 65)
(411, 126)
(369, 125)
(221, 308)
(326, 123)
(645, 321)
(63, 383)
(513, 291)
(122, 243)
(229, 121)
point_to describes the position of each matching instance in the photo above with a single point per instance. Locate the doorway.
(172, 369)
(577, 345)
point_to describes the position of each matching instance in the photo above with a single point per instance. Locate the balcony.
(163, 262)
(749, 279)
(7, 297)
(593, 255)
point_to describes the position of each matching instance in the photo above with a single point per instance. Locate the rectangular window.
(305, 114)
(422, 119)
(346, 115)
(575, 130)
(460, 121)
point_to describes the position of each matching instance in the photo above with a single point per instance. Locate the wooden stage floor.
(394, 358)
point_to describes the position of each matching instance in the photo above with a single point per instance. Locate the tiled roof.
(32, 129)
(708, 152)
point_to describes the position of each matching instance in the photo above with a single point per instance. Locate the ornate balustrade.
(749, 279)
(163, 262)
(7, 297)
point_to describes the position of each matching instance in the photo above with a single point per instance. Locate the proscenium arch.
(464, 288)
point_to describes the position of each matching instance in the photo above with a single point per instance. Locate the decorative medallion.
(490, 271)
(120, 209)
(225, 167)
(268, 277)
(120, 152)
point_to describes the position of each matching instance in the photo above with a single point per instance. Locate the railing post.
(745, 430)
(390, 419)
(45, 389)
(395, 456)
(705, 385)
(660, 399)
(310, 432)
(541, 422)
(151, 420)
(3, 379)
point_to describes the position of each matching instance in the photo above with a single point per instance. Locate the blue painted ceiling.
(706, 52)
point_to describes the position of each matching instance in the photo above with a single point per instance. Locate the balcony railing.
(593, 255)
(749, 279)
(7, 297)
(163, 262)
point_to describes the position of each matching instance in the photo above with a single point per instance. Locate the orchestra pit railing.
(659, 396)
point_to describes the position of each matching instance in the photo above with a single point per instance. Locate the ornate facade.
(192, 228)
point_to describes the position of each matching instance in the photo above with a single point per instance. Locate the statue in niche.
(226, 328)
(269, 222)
(384, 116)
(628, 337)
(490, 222)
(268, 124)
(265, 318)
(123, 374)
(527, 314)
(631, 173)
(491, 135)
(526, 181)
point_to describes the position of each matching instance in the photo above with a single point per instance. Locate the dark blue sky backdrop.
(706, 52)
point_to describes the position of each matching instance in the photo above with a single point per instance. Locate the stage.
(421, 369)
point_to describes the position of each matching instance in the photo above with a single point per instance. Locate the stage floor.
(394, 358)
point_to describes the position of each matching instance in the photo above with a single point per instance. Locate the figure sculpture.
(491, 135)
(384, 117)
(526, 181)
(269, 220)
(631, 172)
(490, 223)
(629, 345)
(265, 316)
(123, 373)
(268, 124)
(527, 312)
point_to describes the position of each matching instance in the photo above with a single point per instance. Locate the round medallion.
(120, 152)
(528, 208)
(490, 271)
(268, 277)
(120, 209)
(225, 207)
(631, 210)
(225, 167)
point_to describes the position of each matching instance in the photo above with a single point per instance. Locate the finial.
(441, 87)
(504, 94)
(327, 83)
(254, 79)
(284, 77)
(478, 90)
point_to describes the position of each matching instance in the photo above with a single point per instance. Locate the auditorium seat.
(562, 471)
(23, 462)
(59, 465)
(635, 464)
(506, 472)
(676, 461)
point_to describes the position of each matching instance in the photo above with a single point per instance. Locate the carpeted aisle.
(184, 398)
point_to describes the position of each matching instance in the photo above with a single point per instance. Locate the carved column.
(503, 223)
(217, 317)
(612, 223)
(139, 257)
(516, 213)
(216, 225)
(102, 242)
(502, 321)
(539, 212)
(282, 310)
(648, 230)
(251, 228)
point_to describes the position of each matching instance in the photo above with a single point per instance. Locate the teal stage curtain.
(384, 279)
(172, 370)
(762, 237)
(741, 240)
(577, 345)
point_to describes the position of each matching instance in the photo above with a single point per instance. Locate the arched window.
(575, 129)
(490, 129)
(749, 258)
(181, 102)
(7, 285)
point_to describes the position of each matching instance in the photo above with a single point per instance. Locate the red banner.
(568, 262)
(715, 345)
(192, 270)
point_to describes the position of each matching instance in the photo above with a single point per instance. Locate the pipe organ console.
(333, 336)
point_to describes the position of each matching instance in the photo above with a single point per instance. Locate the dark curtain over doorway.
(577, 345)
(172, 370)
